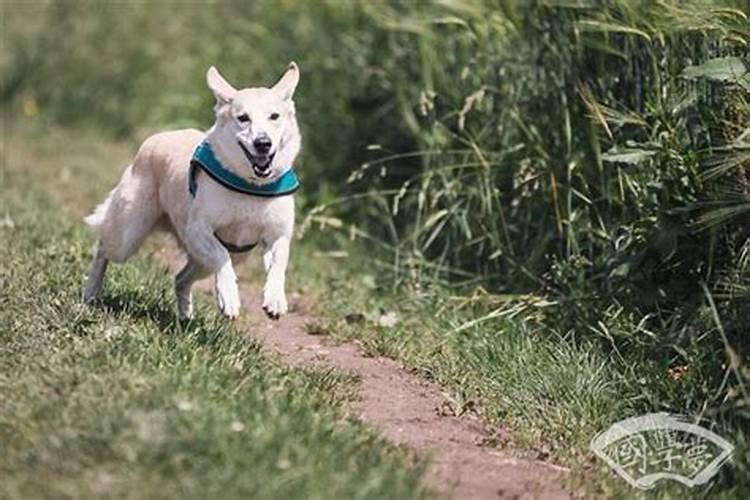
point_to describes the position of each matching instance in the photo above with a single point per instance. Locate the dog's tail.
(97, 217)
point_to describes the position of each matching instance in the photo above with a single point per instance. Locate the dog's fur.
(153, 193)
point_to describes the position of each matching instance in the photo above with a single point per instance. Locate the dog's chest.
(243, 220)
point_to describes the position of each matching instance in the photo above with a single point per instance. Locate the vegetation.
(552, 195)
(583, 196)
(124, 401)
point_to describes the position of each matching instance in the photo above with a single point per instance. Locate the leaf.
(600, 27)
(620, 272)
(434, 218)
(355, 318)
(472, 100)
(388, 320)
(723, 69)
(631, 156)
(335, 254)
(324, 221)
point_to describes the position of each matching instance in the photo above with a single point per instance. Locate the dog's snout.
(262, 144)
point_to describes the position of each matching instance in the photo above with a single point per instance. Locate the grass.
(555, 392)
(129, 397)
(553, 199)
(545, 241)
(122, 400)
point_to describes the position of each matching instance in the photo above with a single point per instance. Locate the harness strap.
(205, 160)
(232, 248)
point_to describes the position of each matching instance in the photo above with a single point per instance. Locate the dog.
(219, 192)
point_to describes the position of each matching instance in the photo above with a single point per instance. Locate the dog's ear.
(288, 82)
(223, 91)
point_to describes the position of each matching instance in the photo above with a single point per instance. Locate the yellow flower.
(30, 108)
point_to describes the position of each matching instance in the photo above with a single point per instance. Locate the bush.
(129, 70)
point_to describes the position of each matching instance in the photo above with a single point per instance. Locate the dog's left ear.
(288, 82)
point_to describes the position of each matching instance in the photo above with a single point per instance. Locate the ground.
(122, 400)
(345, 397)
(104, 398)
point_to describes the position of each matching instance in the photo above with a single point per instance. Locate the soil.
(467, 459)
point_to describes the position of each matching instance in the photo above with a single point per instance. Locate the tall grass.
(588, 155)
(589, 122)
(572, 150)
(592, 159)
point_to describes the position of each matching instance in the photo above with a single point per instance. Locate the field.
(538, 207)
(124, 401)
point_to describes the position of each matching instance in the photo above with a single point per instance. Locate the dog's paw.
(91, 292)
(229, 302)
(274, 302)
(88, 297)
(185, 305)
(228, 296)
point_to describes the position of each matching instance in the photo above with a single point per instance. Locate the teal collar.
(204, 158)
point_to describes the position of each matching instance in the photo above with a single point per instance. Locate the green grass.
(554, 199)
(123, 401)
(554, 389)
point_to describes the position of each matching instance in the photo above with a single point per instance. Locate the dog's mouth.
(261, 163)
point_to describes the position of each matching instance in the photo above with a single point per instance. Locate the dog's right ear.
(223, 91)
(288, 82)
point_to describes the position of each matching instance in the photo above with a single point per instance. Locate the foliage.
(591, 159)
(579, 166)
(124, 401)
(129, 70)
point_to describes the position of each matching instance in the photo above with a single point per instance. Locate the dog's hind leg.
(183, 285)
(128, 214)
(121, 223)
(93, 287)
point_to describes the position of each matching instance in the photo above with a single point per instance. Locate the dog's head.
(255, 133)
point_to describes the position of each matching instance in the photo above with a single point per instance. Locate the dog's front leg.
(275, 259)
(206, 249)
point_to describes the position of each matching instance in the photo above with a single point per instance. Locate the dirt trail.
(408, 410)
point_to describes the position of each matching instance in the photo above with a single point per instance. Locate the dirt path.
(465, 462)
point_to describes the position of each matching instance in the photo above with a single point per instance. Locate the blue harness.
(204, 159)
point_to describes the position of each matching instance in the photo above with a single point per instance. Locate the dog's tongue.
(262, 160)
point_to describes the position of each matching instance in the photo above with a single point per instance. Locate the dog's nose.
(262, 144)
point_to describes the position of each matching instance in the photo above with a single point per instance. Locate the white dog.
(220, 193)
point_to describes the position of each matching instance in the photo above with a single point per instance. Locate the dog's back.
(154, 184)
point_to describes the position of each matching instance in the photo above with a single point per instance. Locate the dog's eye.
(274, 116)
(243, 118)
